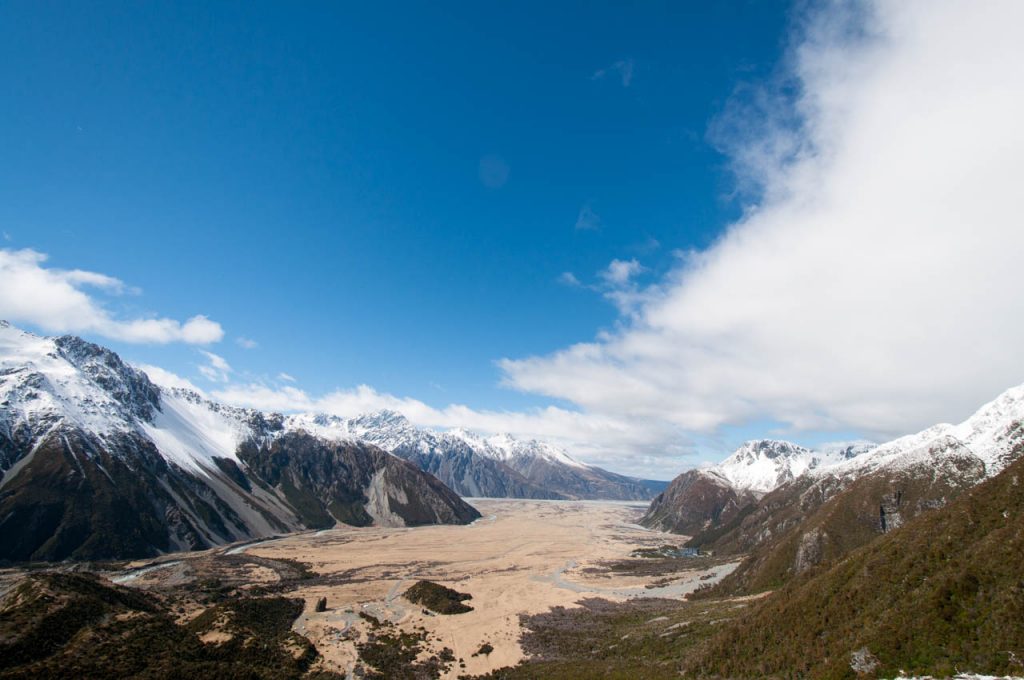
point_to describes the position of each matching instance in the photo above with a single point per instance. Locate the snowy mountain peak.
(846, 450)
(127, 385)
(382, 420)
(45, 381)
(504, 446)
(762, 465)
(994, 435)
(771, 449)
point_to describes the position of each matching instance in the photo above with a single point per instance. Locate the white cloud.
(875, 285)
(165, 378)
(246, 343)
(619, 272)
(622, 68)
(216, 368)
(53, 300)
(284, 376)
(569, 279)
(587, 220)
(618, 285)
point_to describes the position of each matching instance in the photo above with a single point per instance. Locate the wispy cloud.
(569, 279)
(165, 378)
(622, 70)
(286, 377)
(57, 301)
(587, 219)
(246, 343)
(873, 283)
(216, 368)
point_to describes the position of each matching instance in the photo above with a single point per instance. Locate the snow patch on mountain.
(506, 448)
(44, 381)
(391, 430)
(763, 465)
(189, 433)
(993, 435)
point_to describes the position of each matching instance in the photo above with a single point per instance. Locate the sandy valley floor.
(522, 557)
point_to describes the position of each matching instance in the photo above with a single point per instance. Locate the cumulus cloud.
(874, 281)
(618, 284)
(619, 272)
(54, 300)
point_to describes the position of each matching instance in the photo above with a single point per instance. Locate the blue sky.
(391, 195)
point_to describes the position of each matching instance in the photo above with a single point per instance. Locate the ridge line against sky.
(870, 286)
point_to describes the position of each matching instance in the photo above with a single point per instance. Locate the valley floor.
(522, 557)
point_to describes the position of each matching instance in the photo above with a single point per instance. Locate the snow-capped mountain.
(551, 468)
(474, 465)
(98, 462)
(711, 495)
(466, 468)
(766, 464)
(993, 436)
(508, 449)
(840, 505)
(961, 455)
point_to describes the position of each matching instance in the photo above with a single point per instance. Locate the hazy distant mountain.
(98, 462)
(473, 465)
(454, 461)
(550, 467)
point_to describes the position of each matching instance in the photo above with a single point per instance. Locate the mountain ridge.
(97, 462)
(829, 511)
(702, 498)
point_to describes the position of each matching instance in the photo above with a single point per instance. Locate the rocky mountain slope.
(829, 511)
(938, 596)
(98, 462)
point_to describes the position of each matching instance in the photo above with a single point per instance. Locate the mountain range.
(709, 496)
(787, 509)
(98, 462)
(499, 466)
